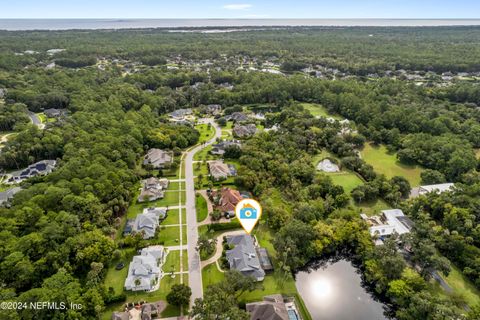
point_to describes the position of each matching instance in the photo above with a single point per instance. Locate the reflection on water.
(335, 293)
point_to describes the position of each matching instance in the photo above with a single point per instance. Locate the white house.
(439, 188)
(144, 272)
(389, 222)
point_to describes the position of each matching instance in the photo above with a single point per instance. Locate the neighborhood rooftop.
(243, 257)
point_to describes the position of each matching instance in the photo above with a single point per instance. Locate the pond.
(334, 291)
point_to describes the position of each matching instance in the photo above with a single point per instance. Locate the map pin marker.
(248, 212)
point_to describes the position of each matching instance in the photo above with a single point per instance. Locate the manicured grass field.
(201, 206)
(172, 217)
(227, 134)
(386, 163)
(318, 110)
(204, 154)
(206, 131)
(348, 180)
(173, 261)
(211, 275)
(169, 236)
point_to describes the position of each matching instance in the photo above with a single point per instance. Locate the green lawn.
(318, 110)
(201, 206)
(206, 131)
(211, 275)
(347, 179)
(168, 236)
(386, 163)
(42, 117)
(204, 154)
(172, 217)
(227, 134)
(461, 285)
(373, 207)
(166, 284)
(173, 261)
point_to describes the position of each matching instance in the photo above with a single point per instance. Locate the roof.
(271, 308)
(436, 188)
(144, 268)
(244, 130)
(238, 117)
(39, 168)
(229, 199)
(394, 221)
(148, 221)
(243, 257)
(120, 316)
(219, 169)
(158, 158)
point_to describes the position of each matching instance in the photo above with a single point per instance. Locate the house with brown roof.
(226, 200)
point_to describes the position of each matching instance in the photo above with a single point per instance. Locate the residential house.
(144, 272)
(219, 148)
(43, 167)
(391, 221)
(152, 189)
(439, 188)
(220, 170)
(243, 257)
(273, 307)
(54, 113)
(147, 222)
(237, 117)
(180, 114)
(244, 131)
(214, 109)
(158, 158)
(226, 200)
(7, 195)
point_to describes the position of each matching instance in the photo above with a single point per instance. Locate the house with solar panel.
(40, 168)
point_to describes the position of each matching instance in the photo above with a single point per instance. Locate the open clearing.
(386, 163)
(318, 110)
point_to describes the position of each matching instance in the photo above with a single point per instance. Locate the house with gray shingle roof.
(148, 221)
(243, 257)
(158, 158)
(144, 272)
(244, 131)
(272, 307)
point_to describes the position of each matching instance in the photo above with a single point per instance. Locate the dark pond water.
(334, 292)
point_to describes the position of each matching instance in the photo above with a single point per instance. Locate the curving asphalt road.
(194, 265)
(35, 120)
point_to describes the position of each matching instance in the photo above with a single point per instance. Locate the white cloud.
(237, 6)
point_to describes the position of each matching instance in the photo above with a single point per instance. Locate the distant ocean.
(91, 24)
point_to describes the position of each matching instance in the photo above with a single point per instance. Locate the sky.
(271, 9)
